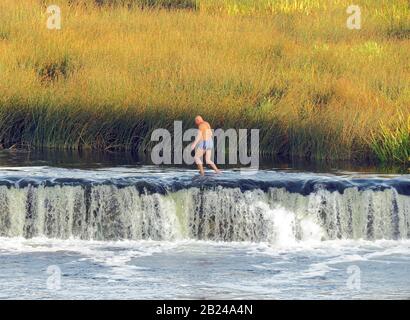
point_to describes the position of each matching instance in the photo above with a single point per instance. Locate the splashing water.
(125, 234)
(108, 212)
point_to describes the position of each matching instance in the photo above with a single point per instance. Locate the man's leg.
(199, 153)
(209, 162)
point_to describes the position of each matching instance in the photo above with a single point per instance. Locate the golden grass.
(393, 143)
(291, 68)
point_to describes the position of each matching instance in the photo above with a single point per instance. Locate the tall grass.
(142, 4)
(119, 69)
(392, 143)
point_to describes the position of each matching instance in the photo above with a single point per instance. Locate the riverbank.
(111, 75)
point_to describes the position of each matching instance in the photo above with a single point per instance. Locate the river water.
(100, 228)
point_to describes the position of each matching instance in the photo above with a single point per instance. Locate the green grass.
(119, 69)
(393, 143)
(144, 4)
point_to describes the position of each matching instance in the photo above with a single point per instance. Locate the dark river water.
(95, 159)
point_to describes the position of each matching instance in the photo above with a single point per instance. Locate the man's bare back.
(204, 145)
(205, 130)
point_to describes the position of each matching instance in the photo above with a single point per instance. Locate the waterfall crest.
(220, 213)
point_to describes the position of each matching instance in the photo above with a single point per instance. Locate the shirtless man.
(204, 145)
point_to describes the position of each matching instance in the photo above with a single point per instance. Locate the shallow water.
(204, 270)
(106, 229)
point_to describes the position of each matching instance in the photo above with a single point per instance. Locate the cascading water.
(269, 235)
(274, 209)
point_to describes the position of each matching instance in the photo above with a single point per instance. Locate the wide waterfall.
(273, 208)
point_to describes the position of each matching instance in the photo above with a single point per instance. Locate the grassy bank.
(120, 68)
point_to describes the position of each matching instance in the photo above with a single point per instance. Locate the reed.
(119, 69)
(392, 143)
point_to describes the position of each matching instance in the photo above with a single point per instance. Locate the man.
(204, 144)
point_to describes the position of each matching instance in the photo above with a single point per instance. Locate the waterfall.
(275, 214)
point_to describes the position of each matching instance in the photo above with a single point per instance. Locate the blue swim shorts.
(206, 145)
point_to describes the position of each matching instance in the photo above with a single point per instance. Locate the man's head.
(198, 120)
